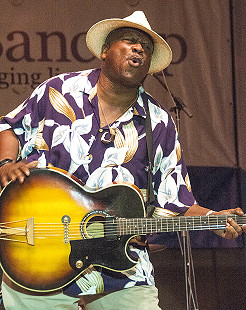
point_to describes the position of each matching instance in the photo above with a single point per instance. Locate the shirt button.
(100, 130)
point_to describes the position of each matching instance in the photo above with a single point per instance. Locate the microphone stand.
(190, 285)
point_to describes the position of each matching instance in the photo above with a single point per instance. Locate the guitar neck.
(138, 226)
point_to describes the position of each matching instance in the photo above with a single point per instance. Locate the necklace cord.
(112, 131)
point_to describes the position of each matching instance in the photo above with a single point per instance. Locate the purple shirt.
(59, 125)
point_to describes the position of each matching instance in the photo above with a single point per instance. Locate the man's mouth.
(135, 61)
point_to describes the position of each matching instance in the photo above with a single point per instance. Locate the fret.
(206, 222)
(128, 226)
(150, 226)
(212, 222)
(182, 224)
(199, 222)
(170, 226)
(123, 221)
(193, 222)
(222, 222)
(132, 225)
(125, 226)
(142, 226)
(119, 228)
(158, 225)
(176, 225)
(173, 223)
(186, 224)
(165, 224)
(179, 227)
(136, 227)
(189, 223)
(203, 223)
(209, 222)
(146, 226)
(217, 222)
(155, 225)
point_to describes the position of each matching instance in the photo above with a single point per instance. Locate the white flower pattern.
(70, 130)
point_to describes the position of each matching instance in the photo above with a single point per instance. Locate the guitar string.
(134, 222)
(78, 235)
(168, 219)
(146, 227)
(91, 236)
(111, 233)
(133, 227)
(186, 220)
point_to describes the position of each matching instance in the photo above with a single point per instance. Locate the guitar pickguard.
(110, 254)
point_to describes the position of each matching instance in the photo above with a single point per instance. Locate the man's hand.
(232, 229)
(15, 171)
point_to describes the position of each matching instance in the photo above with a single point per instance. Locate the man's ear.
(104, 51)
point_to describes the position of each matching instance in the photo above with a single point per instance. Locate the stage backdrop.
(39, 39)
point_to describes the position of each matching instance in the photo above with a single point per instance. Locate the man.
(92, 124)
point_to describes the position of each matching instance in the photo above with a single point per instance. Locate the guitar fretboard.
(140, 226)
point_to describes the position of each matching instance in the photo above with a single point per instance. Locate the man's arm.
(9, 148)
(9, 145)
(232, 229)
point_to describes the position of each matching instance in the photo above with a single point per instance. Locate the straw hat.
(97, 34)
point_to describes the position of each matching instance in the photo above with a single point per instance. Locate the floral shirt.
(59, 126)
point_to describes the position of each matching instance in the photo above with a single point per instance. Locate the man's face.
(127, 56)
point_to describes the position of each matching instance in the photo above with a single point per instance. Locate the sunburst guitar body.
(52, 229)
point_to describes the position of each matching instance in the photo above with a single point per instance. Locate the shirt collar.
(90, 88)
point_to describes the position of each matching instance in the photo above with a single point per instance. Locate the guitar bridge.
(27, 231)
(30, 231)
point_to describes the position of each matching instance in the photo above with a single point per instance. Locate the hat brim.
(97, 34)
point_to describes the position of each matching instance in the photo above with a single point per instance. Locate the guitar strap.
(149, 141)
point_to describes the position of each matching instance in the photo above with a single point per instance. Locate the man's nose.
(137, 48)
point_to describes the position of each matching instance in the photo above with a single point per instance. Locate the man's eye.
(148, 47)
(128, 40)
(145, 46)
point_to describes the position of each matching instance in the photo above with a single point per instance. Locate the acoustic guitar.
(52, 228)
